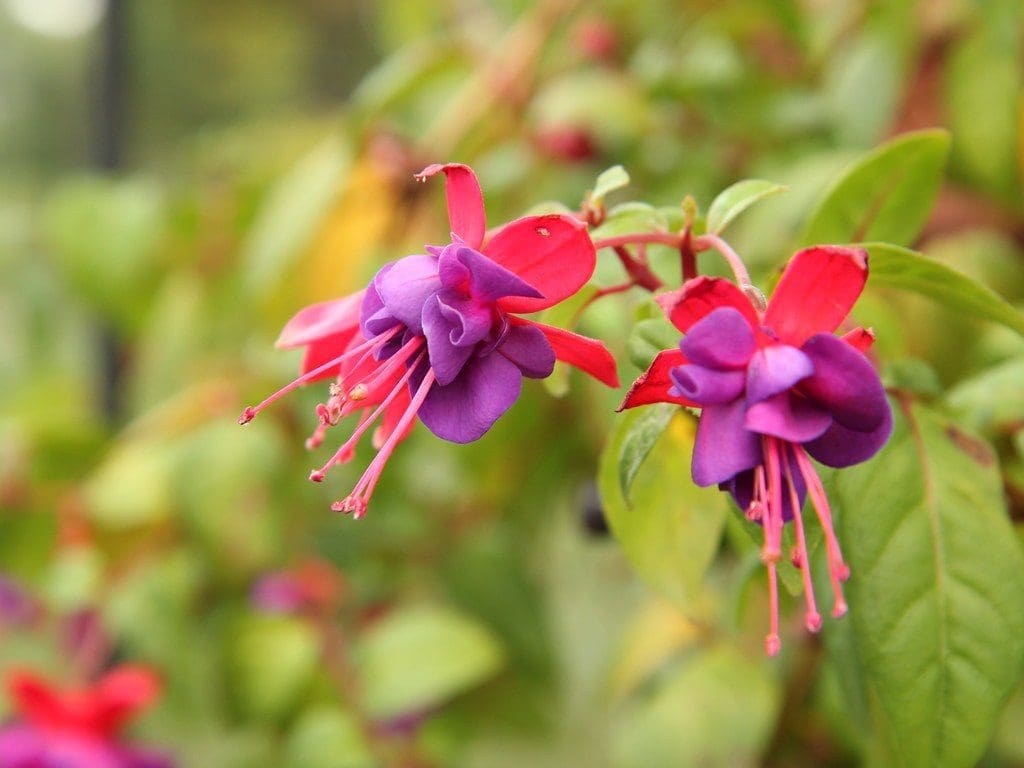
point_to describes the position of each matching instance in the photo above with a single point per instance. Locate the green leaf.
(896, 267)
(992, 400)
(718, 709)
(271, 662)
(886, 195)
(607, 182)
(982, 92)
(731, 202)
(648, 338)
(327, 737)
(287, 220)
(671, 531)
(626, 218)
(643, 433)
(421, 657)
(937, 593)
(105, 235)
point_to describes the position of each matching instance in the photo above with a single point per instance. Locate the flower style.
(438, 336)
(78, 728)
(776, 388)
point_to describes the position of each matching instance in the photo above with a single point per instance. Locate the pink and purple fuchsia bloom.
(776, 388)
(437, 335)
(78, 727)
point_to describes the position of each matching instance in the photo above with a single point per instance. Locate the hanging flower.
(437, 336)
(78, 727)
(776, 388)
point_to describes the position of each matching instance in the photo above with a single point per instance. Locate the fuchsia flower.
(437, 336)
(78, 728)
(776, 388)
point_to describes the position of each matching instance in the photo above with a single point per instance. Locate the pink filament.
(838, 571)
(345, 451)
(813, 619)
(356, 502)
(375, 343)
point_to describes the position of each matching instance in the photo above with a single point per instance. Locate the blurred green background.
(180, 176)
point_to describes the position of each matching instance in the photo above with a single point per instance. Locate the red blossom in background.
(78, 727)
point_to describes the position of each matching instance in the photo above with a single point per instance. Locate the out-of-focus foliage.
(480, 615)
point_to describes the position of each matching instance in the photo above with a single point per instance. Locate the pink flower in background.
(438, 337)
(78, 727)
(776, 389)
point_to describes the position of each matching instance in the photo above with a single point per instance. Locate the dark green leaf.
(639, 440)
(648, 338)
(671, 530)
(887, 195)
(937, 593)
(733, 201)
(896, 267)
(983, 86)
(993, 399)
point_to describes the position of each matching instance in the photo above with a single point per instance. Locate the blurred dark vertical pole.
(108, 155)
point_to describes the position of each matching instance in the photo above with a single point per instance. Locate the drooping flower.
(437, 336)
(776, 388)
(78, 727)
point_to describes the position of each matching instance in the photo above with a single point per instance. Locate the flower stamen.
(250, 412)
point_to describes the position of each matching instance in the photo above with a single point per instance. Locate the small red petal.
(698, 297)
(122, 694)
(816, 292)
(654, 384)
(552, 253)
(35, 700)
(589, 355)
(324, 350)
(318, 321)
(860, 339)
(465, 201)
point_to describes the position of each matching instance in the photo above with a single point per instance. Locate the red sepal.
(653, 385)
(589, 355)
(698, 297)
(465, 201)
(552, 253)
(816, 292)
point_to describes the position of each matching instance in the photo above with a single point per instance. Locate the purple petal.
(530, 350)
(722, 339)
(775, 369)
(742, 489)
(446, 359)
(276, 593)
(464, 410)
(845, 383)
(374, 317)
(788, 417)
(724, 446)
(706, 386)
(843, 447)
(486, 280)
(406, 286)
(470, 319)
